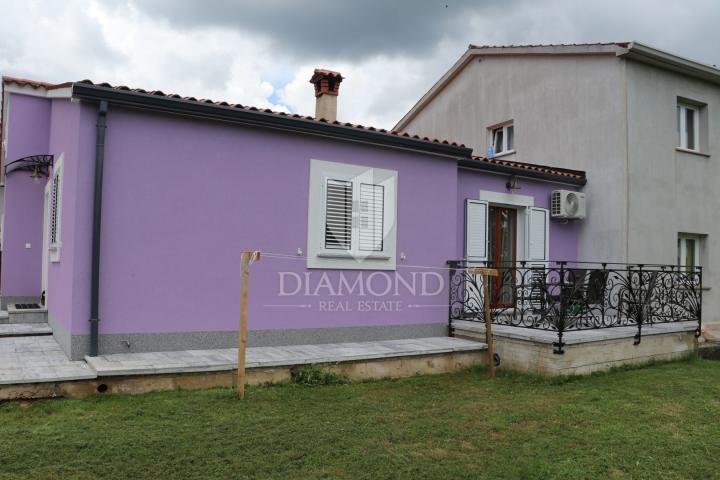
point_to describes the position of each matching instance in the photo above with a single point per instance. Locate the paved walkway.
(711, 332)
(226, 359)
(39, 359)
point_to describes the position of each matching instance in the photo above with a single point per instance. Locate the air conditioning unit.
(567, 204)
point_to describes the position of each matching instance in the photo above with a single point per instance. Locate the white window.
(503, 139)
(688, 127)
(55, 220)
(689, 251)
(351, 217)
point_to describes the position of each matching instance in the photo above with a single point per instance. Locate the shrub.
(314, 375)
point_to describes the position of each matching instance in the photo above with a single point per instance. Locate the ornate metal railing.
(568, 296)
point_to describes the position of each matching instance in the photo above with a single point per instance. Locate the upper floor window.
(692, 126)
(688, 125)
(503, 139)
(351, 221)
(689, 251)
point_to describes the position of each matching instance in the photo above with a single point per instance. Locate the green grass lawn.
(657, 422)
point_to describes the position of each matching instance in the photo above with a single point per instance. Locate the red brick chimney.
(327, 88)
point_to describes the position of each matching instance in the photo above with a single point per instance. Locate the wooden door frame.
(494, 212)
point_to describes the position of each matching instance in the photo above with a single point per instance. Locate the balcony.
(562, 298)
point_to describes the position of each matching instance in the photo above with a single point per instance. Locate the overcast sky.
(262, 52)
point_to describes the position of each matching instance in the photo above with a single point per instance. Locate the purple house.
(125, 212)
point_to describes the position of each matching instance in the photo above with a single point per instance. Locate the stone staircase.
(19, 322)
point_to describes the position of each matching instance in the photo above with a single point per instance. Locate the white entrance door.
(46, 236)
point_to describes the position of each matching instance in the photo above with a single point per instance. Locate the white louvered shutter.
(371, 212)
(538, 248)
(338, 214)
(476, 251)
(476, 231)
(538, 230)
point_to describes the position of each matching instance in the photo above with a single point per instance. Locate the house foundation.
(585, 351)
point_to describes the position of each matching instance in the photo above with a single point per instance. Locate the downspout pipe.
(97, 217)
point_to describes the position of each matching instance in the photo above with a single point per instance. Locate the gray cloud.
(262, 52)
(334, 29)
(355, 30)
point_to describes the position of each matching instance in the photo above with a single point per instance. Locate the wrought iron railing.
(569, 296)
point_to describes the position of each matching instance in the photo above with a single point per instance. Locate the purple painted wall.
(563, 236)
(73, 140)
(28, 133)
(183, 198)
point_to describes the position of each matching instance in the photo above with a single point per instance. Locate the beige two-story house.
(643, 123)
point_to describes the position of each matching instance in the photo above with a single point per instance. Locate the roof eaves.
(172, 103)
(23, 82)
(473, 51)
(646, 54)
(454, 71)
(542, 172)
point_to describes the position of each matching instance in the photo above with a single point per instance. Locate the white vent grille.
(556, 203)
(338, 215)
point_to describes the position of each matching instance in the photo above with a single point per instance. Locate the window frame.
(507, 146)
(318, 255)
(682, 109)
(683, 239)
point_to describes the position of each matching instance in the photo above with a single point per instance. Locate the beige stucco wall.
(568, 111)
(616, 120)
(672, 191)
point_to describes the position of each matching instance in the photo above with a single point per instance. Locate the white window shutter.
(338, 214)
(371, 214)
(476, 230)
(538, 228)
(538, 255)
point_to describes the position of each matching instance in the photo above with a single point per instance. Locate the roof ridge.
(533, 45)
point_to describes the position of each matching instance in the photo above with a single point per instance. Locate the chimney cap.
(327, 82)
(321, 73)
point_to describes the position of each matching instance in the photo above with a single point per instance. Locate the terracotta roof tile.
(269, 111)
(531, 167)
(23, 82)
(559, 172)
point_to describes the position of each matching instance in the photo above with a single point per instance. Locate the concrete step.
(26, 315)
(24, 329)
(468, 330)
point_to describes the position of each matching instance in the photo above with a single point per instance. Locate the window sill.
(503, 154)
(693, 152)
(373, 256)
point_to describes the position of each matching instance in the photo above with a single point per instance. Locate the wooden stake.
(486, 274)
(246, 258)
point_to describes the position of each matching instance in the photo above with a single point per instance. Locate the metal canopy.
(38, 164)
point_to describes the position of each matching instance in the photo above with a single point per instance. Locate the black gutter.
(522, 172)
(259, 118)
(97, 217)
